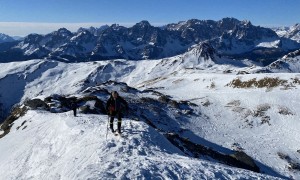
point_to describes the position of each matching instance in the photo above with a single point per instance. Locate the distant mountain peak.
(204, 50)
(295, 29)
(297, 25)
(62, 32)
(202, 55)
(6, 38)
(32, 38)
(93, 30)
(143, 24)
(229, 20)
(116, 27)
(103, 27)
(191, 21)
(247, 23)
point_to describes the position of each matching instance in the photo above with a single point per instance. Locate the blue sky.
(21, 17)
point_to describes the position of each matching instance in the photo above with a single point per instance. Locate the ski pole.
(107, 126)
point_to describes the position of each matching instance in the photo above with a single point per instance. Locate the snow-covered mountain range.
(5, 38)
(230, 37)
(292, 32)
(197, 115)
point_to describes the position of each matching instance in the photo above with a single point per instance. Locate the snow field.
(60, 146)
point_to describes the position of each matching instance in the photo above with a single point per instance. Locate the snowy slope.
(59, 146)
(263, 122)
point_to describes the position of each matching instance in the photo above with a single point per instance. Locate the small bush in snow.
(234, 103)
(296, 80)
(263, 107)
(266, 119)
(284, 111)
(212, 85)
(206, 103)
(177, 81)
(261, 112)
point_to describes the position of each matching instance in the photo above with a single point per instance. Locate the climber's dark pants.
(119, 117)
(74, 111)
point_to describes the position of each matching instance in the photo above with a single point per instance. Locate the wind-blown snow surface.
(59, 146)
(237, 117)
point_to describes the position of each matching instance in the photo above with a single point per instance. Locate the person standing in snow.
(115, 106)
(74, 108)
